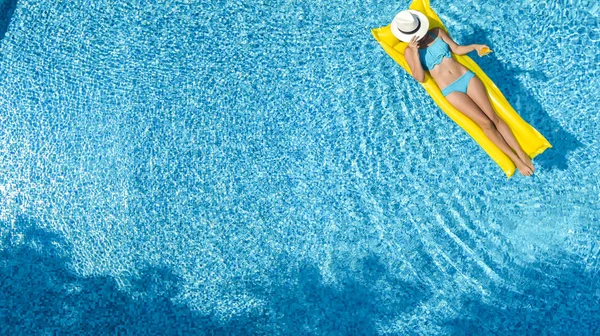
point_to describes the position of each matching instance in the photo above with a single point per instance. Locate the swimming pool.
(265, 168)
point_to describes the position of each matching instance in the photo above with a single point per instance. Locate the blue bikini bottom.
(460, 85)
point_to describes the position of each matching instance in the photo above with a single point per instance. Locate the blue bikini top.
(434, 54)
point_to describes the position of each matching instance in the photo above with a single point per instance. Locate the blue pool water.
(226, 167)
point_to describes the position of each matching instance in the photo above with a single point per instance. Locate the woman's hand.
(411, 54)
(414, 43)
(482, 49)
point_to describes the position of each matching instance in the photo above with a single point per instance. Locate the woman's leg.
(476, 91)
(468, 107)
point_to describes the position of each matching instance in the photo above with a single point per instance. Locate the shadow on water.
(354, 308)
(563, 300)
(7, 7)
(39, 294)
(527, 106)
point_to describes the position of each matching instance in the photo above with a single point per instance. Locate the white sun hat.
(408, 23)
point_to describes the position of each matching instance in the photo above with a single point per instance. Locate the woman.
(431, 51)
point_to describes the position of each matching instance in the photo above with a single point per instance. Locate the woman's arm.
(411, 54)
(455, 47)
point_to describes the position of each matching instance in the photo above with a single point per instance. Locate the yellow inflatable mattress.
(528, 137)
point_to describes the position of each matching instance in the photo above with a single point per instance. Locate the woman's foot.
(523, 168)
(527, 161)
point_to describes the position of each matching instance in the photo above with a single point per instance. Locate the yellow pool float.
(532, 142)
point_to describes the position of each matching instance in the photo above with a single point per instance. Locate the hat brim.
(407, 37)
